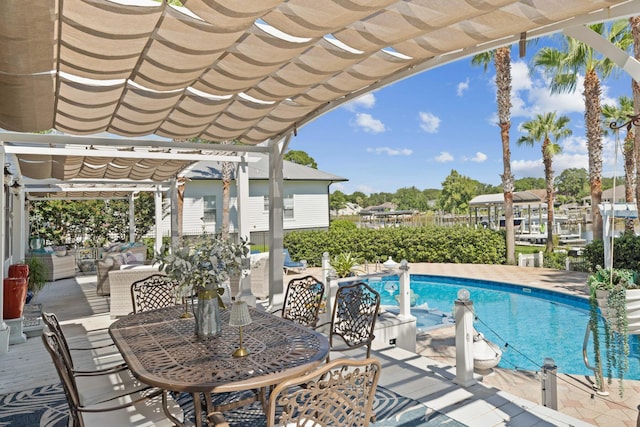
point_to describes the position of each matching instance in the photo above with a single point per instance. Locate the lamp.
(240, 317)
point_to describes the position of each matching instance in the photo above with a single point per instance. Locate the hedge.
(459, 244)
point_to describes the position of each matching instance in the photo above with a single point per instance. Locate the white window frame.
(207, 210)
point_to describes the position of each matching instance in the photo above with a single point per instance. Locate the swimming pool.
(536, 323)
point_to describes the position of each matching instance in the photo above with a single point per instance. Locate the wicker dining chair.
(355, 311)
(142, 408)
(153, 292)
(302, 301)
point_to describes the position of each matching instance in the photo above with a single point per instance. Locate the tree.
(227, 168)
(573, 183)
(337, 200)
(410, 198)
(502, 60)
(543, 128)
(562, 66)
(301, 158)
(619, 114)
(359, 198)
(529, 183)
(457, 192)
(634, 23)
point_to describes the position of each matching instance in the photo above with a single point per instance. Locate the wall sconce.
(8, 175)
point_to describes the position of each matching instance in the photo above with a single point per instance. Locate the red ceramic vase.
(15, 292)
(19, 270)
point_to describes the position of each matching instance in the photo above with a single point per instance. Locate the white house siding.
(310, 201)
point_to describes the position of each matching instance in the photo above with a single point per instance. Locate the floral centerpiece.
(200, 265)
(608, 295)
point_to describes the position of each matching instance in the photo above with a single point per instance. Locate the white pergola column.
(132, 218)
(243, 226)
(157, 196)
(4, 329)
(174, 212)
(19, 225)
(276, 226)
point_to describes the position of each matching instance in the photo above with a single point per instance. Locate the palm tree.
(563, 66)
(502, 62)
(543, 128)
(619, 114)
(634, 23)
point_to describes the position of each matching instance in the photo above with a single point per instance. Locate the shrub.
(457, 244)
(626, 250)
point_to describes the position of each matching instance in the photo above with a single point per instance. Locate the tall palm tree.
(546, 127)
(563, 66)
(619, 114)
(634, 23)
(502, 61)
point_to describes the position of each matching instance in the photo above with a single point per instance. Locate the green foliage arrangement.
(37, 274)
(203, 262)
(345, 264)
(458, 244)
(615, 282)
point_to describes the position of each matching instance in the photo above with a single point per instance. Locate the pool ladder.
(597, 370)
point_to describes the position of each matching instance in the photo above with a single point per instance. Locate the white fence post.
(464, 339)
(549, 384)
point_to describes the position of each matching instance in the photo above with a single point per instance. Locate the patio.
(411, 384)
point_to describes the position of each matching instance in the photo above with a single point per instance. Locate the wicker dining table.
(162, 350)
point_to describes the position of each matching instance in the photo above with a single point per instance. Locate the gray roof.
(260, 170)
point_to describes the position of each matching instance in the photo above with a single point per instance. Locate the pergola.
(251, 72)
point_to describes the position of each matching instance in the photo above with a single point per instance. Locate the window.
(287, 205)
(209, 209)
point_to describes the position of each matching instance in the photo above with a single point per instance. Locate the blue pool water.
(535, 323)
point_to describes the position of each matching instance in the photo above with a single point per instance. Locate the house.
(305, 198)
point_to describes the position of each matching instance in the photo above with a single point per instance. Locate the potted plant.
(37, 275)
(201, 265)
(345, 264)
(609, 292)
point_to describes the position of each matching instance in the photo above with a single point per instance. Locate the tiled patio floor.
(497, 401)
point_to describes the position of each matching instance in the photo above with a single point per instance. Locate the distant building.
(305, 198)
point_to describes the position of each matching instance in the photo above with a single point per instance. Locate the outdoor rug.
(47, 407)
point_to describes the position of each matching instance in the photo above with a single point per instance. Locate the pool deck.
(503, 398)
(574, 392)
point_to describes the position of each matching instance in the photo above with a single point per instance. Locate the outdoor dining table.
(161, 350)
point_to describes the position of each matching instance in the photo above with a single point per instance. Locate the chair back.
(51, 320)
(153, 292)
(354, 316)
(340, 393)
(54, 346)
(302, 301)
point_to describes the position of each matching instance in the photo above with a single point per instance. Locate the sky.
(414, 132)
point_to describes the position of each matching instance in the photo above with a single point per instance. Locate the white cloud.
(444, 157)
(364, 188)
(365, 101)
(429, 122)
(462, 87)
(369, 124)
(479, 157)
(390, 151)
(338, 186)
